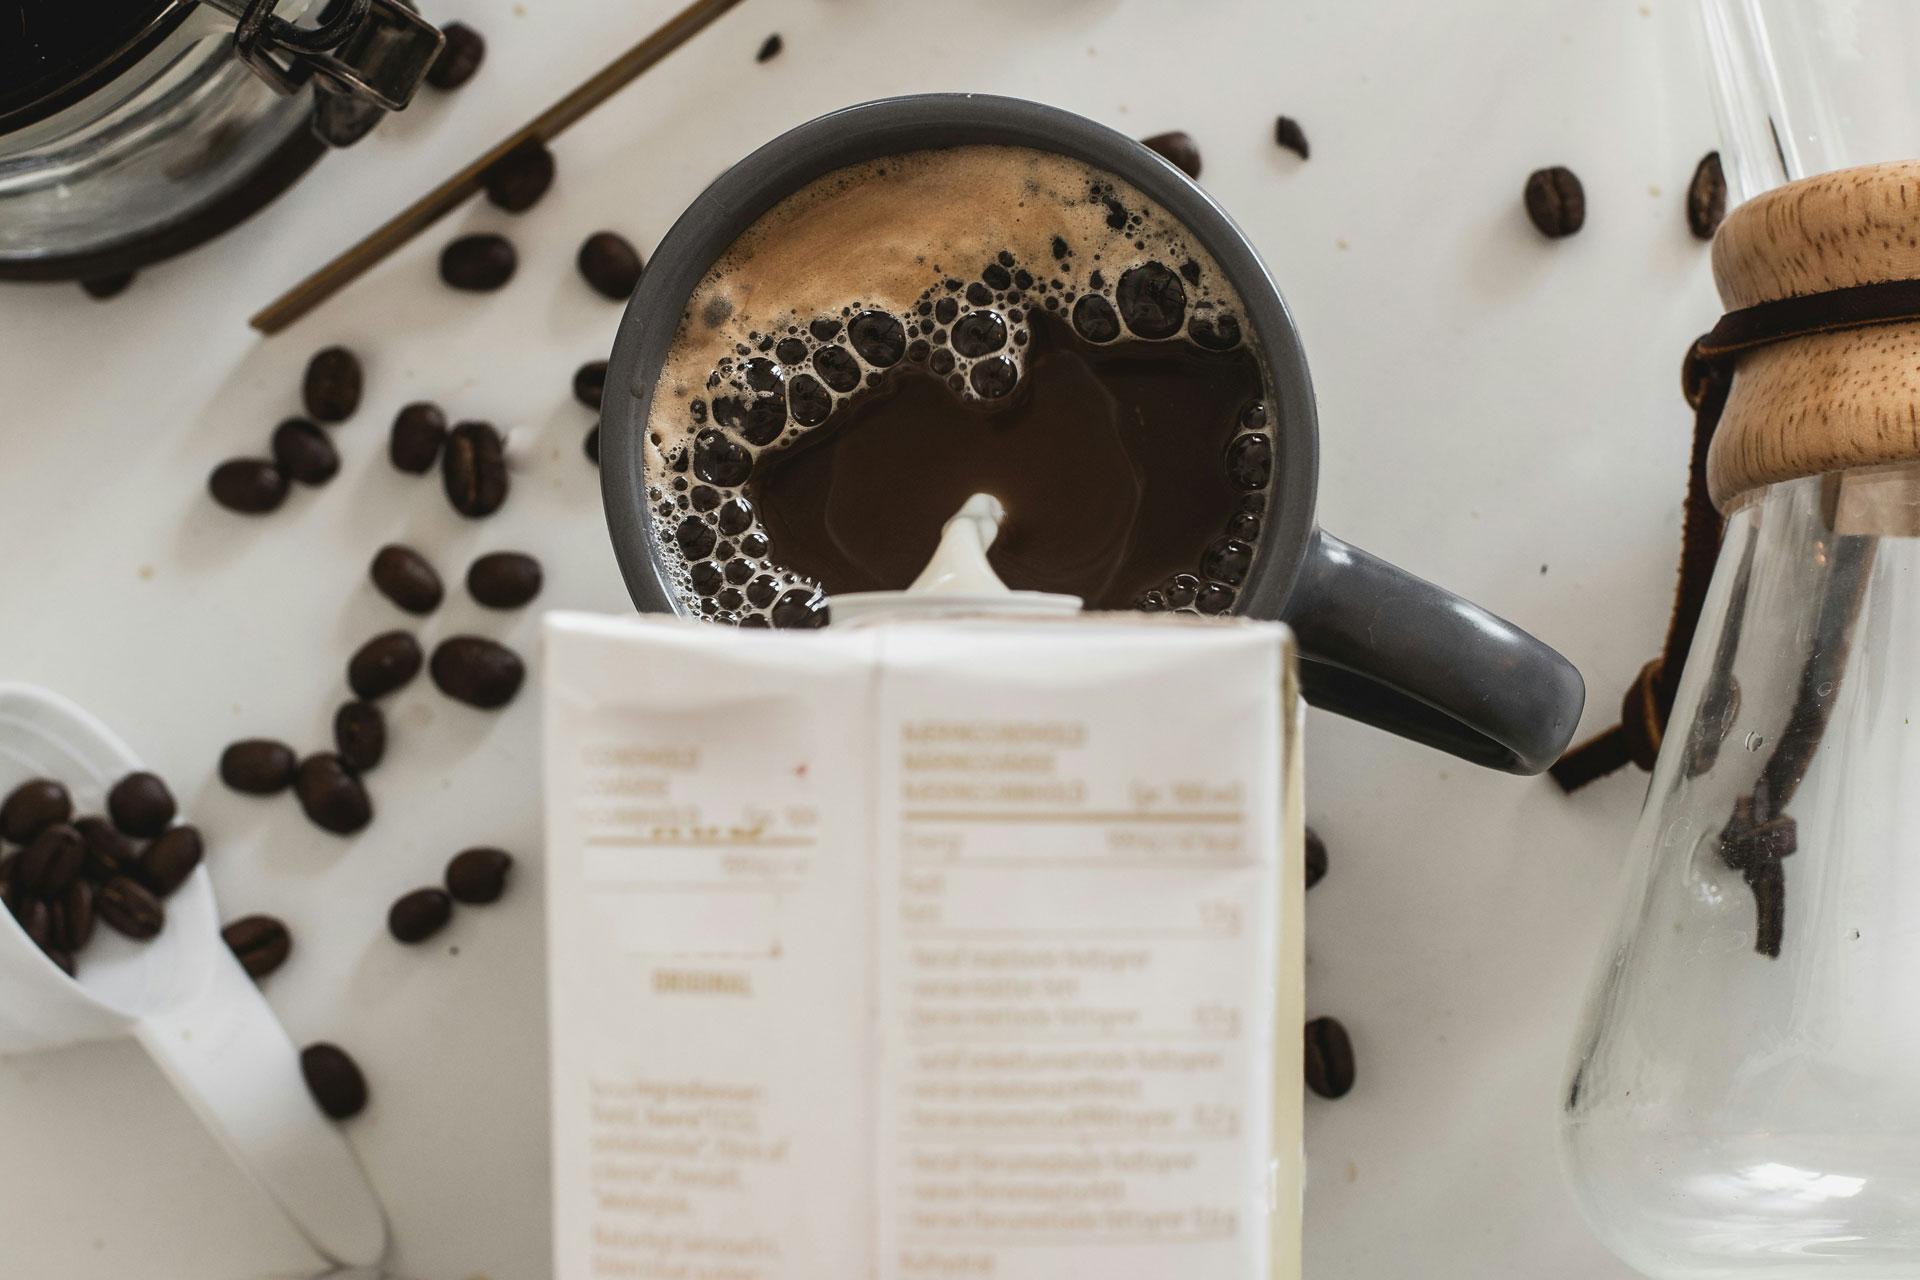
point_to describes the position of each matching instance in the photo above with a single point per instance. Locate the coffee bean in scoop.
(251, 486)
(109, 853)
(32, 806)
(458, 58)
(331, 388)
(418, 432)
(1095, 319)
(1178, 149)
(304, 452)
(331, 796)
(360, 735)
(258, 766)
(516, 181)
(170, 859)
(479, 672)
(51, 861)
(478, 263)
(74, 918)
(474, 469)
(590, 383)
(1288, 133)
(504, 579)
(125, 905)
(1556, 201)
(260, 943)
(403, 576)
(383, 664)
(611, 264)
(141, 805)
(478, 876)
(1151, 299)
(334, 1080)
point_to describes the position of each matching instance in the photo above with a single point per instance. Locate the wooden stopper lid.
(1827, 402)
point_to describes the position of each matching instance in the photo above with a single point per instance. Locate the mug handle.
(233, 1062)
(1383, 647)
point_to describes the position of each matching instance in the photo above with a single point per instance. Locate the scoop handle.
(233, 1062)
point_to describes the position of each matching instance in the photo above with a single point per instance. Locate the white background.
(1499, 413)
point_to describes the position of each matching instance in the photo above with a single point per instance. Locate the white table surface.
(1499, 413)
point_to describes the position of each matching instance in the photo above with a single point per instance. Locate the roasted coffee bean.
(303, 452)
(383, 664)
(979, 333)
(1556, 201)
(479, 876)
(591, 446)
(334, 1080)
(475, 469)
(33, 805)
(124, 905)
(721, 461)
(104, 287)
(1329, 1058)
(251, 486)
(1151, 300)
(1250, 461)
(1316, 858)
(1178, 149)
(769, 48)
(403, 576)
(331, 796)
(1707, 197)
(418, 432)
(478, 263)
(590, 383)
(477, 671)
(419, 915)
(516, 181)
(50, 862)
(879, 338)
(610, 264)
(331, 388)
(1288, 133)
(993, 377)
(258, 766)
(63, 960)
(1095, 319)
(260, 943)
(807, 400)
(76, 916)
(459, 57)
(109, 853)
(504, 579)
(170, 859)
(1215, 330)
(360, 735)
(36, 921)
(141, 805)
(837, 368)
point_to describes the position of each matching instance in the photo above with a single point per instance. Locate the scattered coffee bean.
(1329, 1058)
(109, 853)
(403, 576)
(383, 664)
(124, 905)
(1707, 197)
(590, 383)
(477, 671)
(75, 917)
(459, 57)
(1152, 300)
(1316, 858)
(1288, 133)
(592, 446)
(478, 263)
(516, 181)
(331, 389)
(251, 486)
(258, 766)
(360, 735)
(419, 915)
(504, 579)
(141, 805)
(610, 264)
(769, 48)
(475, 469)
(478, 876)
(331, 796)
(170, 859)
(334, 1080)
(1179, 150)
(32, 806)
(1556, 201)
(304, 452)
(260, 943)
(418, 432)
(104, 287)
(50, 862)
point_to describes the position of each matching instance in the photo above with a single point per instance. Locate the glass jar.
(139, 128)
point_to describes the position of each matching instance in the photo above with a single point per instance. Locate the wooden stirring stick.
(449, 195)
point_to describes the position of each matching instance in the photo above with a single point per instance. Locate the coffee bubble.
(837, 368)
(878, 337)
(979, 333)
(1152, 300)
(1095, 319)
(993, 377)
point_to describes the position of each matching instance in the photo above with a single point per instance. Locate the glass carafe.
(1744, 1092)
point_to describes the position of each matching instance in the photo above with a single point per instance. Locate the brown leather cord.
(1706, 378)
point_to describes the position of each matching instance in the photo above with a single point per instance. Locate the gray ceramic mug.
(1376, 643)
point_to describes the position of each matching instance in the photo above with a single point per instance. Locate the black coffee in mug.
(903, 333)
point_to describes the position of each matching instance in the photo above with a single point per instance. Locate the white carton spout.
(958, 579)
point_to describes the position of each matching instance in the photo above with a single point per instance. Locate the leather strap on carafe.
(1822, 281)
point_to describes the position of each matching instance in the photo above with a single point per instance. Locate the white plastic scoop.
(958, 579)
(184, 997)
